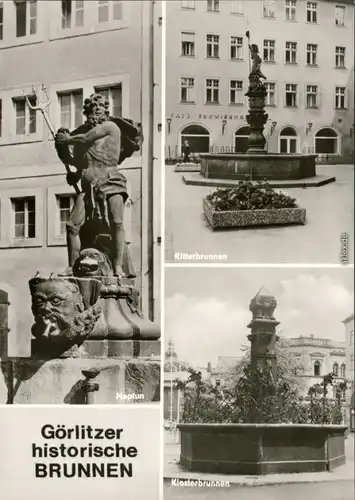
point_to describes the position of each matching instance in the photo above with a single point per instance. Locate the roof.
(264, 292)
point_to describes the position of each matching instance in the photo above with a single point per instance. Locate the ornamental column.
(263, 336)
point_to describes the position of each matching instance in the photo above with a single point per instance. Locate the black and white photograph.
(259, 383)
(259, 142)
(80, 147)
(177, 249)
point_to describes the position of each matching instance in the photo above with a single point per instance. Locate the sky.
(207, 309)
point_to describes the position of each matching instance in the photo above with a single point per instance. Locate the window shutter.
(319, 95)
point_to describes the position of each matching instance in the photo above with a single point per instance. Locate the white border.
(162, 247)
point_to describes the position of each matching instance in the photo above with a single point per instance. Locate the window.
(25, 116)
(291, 95)
(110, 10)
(241, 140)
(72, 13)
(312, 54)
(187, 4)
(236, 94)
(342, 370)
(269, 50)
(1, 20)
(198, 138)
(270, 99)
(212, 91)
(311, 12)
(24, 210)
(212, 45)
(187, 86)
(326, 141)
(291, 53)
(288, 141)
(213, 5)
(236, 47)
(236, 7)
(71, 109)
(340, 15)
(114, 95)
(317, 367)
(340, 97)
(187, 44)
(290, 10)
(336, 370)
(26, 18)
(269, 8)
(0, 117)
(65, 205)
(340, 57)
(312, 96)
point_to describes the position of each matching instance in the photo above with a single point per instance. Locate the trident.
(42, 105)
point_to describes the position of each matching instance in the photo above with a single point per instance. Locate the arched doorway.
(241, 139)
(198, 138)
(288, 141)
(327, 142)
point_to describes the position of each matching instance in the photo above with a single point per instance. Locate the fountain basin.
(187, 167)
(261, 448)
(259, 166)
(250, 218)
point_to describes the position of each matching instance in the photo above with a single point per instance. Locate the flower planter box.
(187, 167)
(261, 448)
(248, 218)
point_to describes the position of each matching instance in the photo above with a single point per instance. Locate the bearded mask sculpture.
(59, 309)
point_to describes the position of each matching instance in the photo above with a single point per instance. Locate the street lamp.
(224, 123)
(170, 352)
(309, 127)
(273, 126)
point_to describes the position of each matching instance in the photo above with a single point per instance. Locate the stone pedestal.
(125, 372)
(256, 118)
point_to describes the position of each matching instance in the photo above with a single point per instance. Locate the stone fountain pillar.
(263, 336)
(256, 117)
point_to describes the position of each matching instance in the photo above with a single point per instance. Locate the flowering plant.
(249, 196)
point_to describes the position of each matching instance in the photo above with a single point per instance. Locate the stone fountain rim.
(199, 426)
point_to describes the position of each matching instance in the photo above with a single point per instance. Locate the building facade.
(349, 336)
(316, 357)
(307, 52)
(72, 48)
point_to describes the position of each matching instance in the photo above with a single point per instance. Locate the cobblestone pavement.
(329, 213)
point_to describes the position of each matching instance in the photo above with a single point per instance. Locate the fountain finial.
(263, 304)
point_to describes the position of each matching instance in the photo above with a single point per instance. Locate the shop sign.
(203, 116)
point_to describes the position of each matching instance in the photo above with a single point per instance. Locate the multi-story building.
(349, 372)
(307, 48)
(73, 48)
(316, 357)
